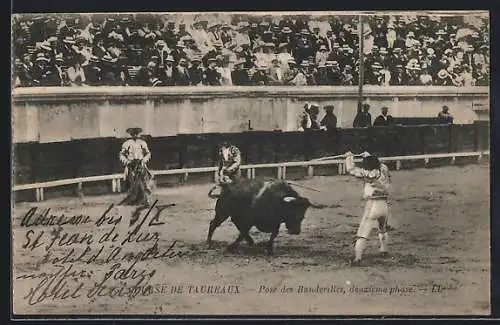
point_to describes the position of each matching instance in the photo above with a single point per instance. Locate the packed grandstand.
(245, 49)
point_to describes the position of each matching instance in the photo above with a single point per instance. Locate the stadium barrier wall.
(58, 114)
(36, 163)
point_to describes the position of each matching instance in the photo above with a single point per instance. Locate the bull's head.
(295, 210)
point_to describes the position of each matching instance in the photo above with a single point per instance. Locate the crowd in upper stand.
(156, 50)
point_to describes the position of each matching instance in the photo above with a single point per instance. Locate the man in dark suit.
(329, 121)
(195, 72)
(363, 118)
(211, 76)
(181, 74)
(384, 119)
(240, 75)
(445, 115)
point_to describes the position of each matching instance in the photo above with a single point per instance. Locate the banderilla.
(294, 184)
(335, 157)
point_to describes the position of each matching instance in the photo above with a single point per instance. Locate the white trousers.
(375, 215)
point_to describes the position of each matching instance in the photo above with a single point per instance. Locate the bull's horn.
(289, 198)
(211, 195)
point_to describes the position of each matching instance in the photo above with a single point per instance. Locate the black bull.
(265, 205)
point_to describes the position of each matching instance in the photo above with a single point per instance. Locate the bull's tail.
(211, 193)
(318, 206)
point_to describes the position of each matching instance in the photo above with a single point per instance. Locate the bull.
(265, 205)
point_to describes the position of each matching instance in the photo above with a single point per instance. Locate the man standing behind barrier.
(329, 121)
(229, 158)
(445, 115)
(363, 119)
(384, 119)
(134, 155)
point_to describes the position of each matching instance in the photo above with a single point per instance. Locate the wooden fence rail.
(250, 171)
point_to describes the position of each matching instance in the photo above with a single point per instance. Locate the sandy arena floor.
(440, 242)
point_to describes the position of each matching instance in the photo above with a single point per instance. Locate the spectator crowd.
(153, 50)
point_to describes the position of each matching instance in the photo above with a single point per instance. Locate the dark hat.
(371, 162)
(134, 131)
(313, 109)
